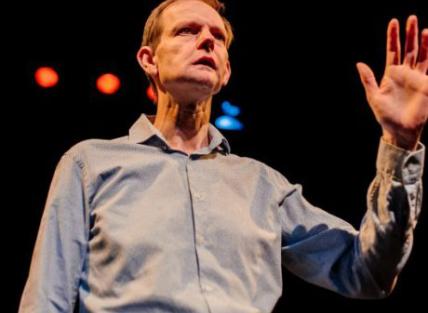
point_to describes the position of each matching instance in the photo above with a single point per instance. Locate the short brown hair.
(153, 28)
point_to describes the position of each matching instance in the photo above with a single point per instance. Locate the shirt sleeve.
(327, 251)
(60, 248)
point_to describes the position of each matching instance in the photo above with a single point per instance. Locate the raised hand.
(400, 102)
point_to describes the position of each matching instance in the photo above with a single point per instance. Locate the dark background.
(294, 77)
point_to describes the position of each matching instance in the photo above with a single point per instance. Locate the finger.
(411, 48)
(422, 64)
(393, 47)
(367, 79)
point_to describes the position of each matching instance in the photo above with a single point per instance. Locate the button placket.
(201, 222)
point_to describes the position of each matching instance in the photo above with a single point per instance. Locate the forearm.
(394, 202)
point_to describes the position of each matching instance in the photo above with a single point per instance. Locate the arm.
(325, 250)
(60, 247)
(394, 202)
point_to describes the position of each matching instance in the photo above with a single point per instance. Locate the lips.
(207, 61)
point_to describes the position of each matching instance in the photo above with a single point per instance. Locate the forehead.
(191, 11)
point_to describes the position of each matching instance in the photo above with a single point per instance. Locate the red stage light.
(46, 77)
(108, 84)
(151, 94)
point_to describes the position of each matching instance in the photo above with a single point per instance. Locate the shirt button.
(200, 239)
(199, 195)
(207, 288)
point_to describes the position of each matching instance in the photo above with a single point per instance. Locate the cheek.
(171, 59)
(224, 67)
(165, 64)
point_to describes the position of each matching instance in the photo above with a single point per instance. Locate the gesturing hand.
(400, 102)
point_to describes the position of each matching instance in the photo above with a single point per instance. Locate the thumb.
(367, 79)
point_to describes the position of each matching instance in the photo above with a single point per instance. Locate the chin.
(193, 88)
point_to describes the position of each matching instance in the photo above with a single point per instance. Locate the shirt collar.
(144, 132)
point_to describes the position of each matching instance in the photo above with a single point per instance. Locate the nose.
(206, 40)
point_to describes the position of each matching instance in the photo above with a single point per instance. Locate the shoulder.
(92, 149)
(96, 145)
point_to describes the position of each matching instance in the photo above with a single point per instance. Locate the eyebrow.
(196, 24)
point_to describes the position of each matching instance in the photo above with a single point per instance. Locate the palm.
(401, 98)
(400, 103)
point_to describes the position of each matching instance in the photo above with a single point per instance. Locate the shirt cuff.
(403, 165)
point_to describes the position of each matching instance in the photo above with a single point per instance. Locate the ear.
(227, 74)
(147, 61)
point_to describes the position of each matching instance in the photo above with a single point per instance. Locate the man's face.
(192, 57)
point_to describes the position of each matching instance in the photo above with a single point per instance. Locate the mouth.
(207, 61)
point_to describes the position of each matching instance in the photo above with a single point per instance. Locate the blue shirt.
(131, 225)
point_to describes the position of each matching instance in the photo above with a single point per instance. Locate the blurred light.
(151, 94)
(230, 109)
(108, 84)
(228, 123)
(46, 77)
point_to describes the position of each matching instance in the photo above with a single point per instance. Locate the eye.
(220, 36)
(186, 30)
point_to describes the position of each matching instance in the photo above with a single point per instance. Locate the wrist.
(403, 142)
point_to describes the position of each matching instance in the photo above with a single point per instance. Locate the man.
(168, 220)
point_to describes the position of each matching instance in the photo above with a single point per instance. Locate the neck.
(184, 126)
